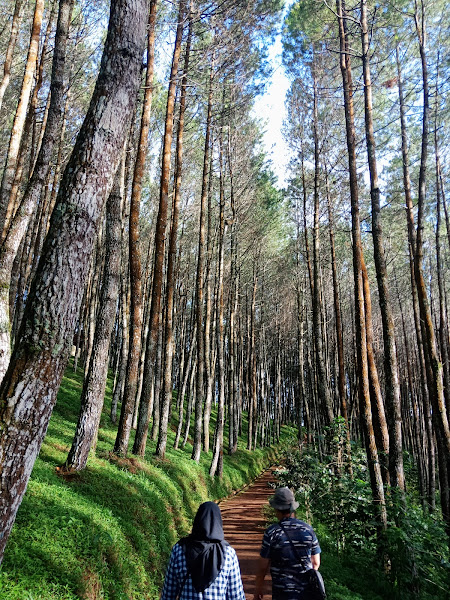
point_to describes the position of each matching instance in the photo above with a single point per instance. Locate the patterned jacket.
(287, 566)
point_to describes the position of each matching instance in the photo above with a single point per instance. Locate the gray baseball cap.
(283, 499)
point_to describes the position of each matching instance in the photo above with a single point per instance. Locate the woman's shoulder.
(178, 551)
(230, 553)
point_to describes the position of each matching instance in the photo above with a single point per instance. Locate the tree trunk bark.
(431, 354)
(198, 421)
(392, 396)
(170, 286)
(339, 335)
(208, 335)
(361, 342)
(19, 119)
(424, 375)
(124, 316)
(160, 245)
(189, 368)
(379, 416)
(233, 413)
(322, 388)
(29, 388)
(15, 25)
(443, 324)
(93, 393)
(216, 467)
(252, 388)
(134, 351)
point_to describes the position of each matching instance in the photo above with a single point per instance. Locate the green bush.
(409, 560)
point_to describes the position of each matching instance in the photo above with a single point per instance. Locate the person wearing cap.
(290, 549)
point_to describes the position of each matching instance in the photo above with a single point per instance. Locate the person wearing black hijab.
(203, 565)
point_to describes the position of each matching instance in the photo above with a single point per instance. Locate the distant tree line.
(368, 111)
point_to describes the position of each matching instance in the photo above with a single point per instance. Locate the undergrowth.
(106, 532)
(410, 561)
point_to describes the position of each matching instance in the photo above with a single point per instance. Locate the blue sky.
(271, 110)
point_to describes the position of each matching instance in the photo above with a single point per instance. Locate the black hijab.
(205, 546)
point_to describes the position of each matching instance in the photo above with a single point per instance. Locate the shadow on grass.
(108, 531)
(105, 528)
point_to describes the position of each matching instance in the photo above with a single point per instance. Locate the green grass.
(106, 533)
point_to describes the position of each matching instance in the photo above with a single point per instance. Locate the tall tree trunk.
(27, 217)
(379, 417)
(134, 351)
(252, 388)
(209, 339)
(301, 366)
(322, 388)
(94, 384)
(157, 383)
(197, 445)
(233, 411)
(418, 440)
(170, 287)
(49, 195)
(29, 388)
(191, 400)
(424, 375)
(19, 120)
(339, 334)
(443, 324)
(361, 342)
(189, 368)
(216, 467)
(93, 298)
(160, 245)
(434, 365)
(431, 354)
(305, 226)
(15, 25)
(124, 305)
(33, 110)
(392, 396)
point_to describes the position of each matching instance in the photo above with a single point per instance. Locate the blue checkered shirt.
(226, 586)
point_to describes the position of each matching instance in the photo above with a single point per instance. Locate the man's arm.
(315, 560)
(263, 567)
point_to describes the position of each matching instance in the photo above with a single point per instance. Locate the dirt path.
(244, 524)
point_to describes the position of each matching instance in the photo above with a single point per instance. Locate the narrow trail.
(244, 524)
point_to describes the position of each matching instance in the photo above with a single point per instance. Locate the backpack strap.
(316, 585)
(291, 542)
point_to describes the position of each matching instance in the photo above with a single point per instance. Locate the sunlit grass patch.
(106, 533)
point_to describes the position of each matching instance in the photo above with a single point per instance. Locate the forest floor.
(244, 522)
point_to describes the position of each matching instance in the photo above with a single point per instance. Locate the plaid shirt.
(226, 586)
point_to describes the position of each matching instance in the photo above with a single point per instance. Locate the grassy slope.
(107, 532)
